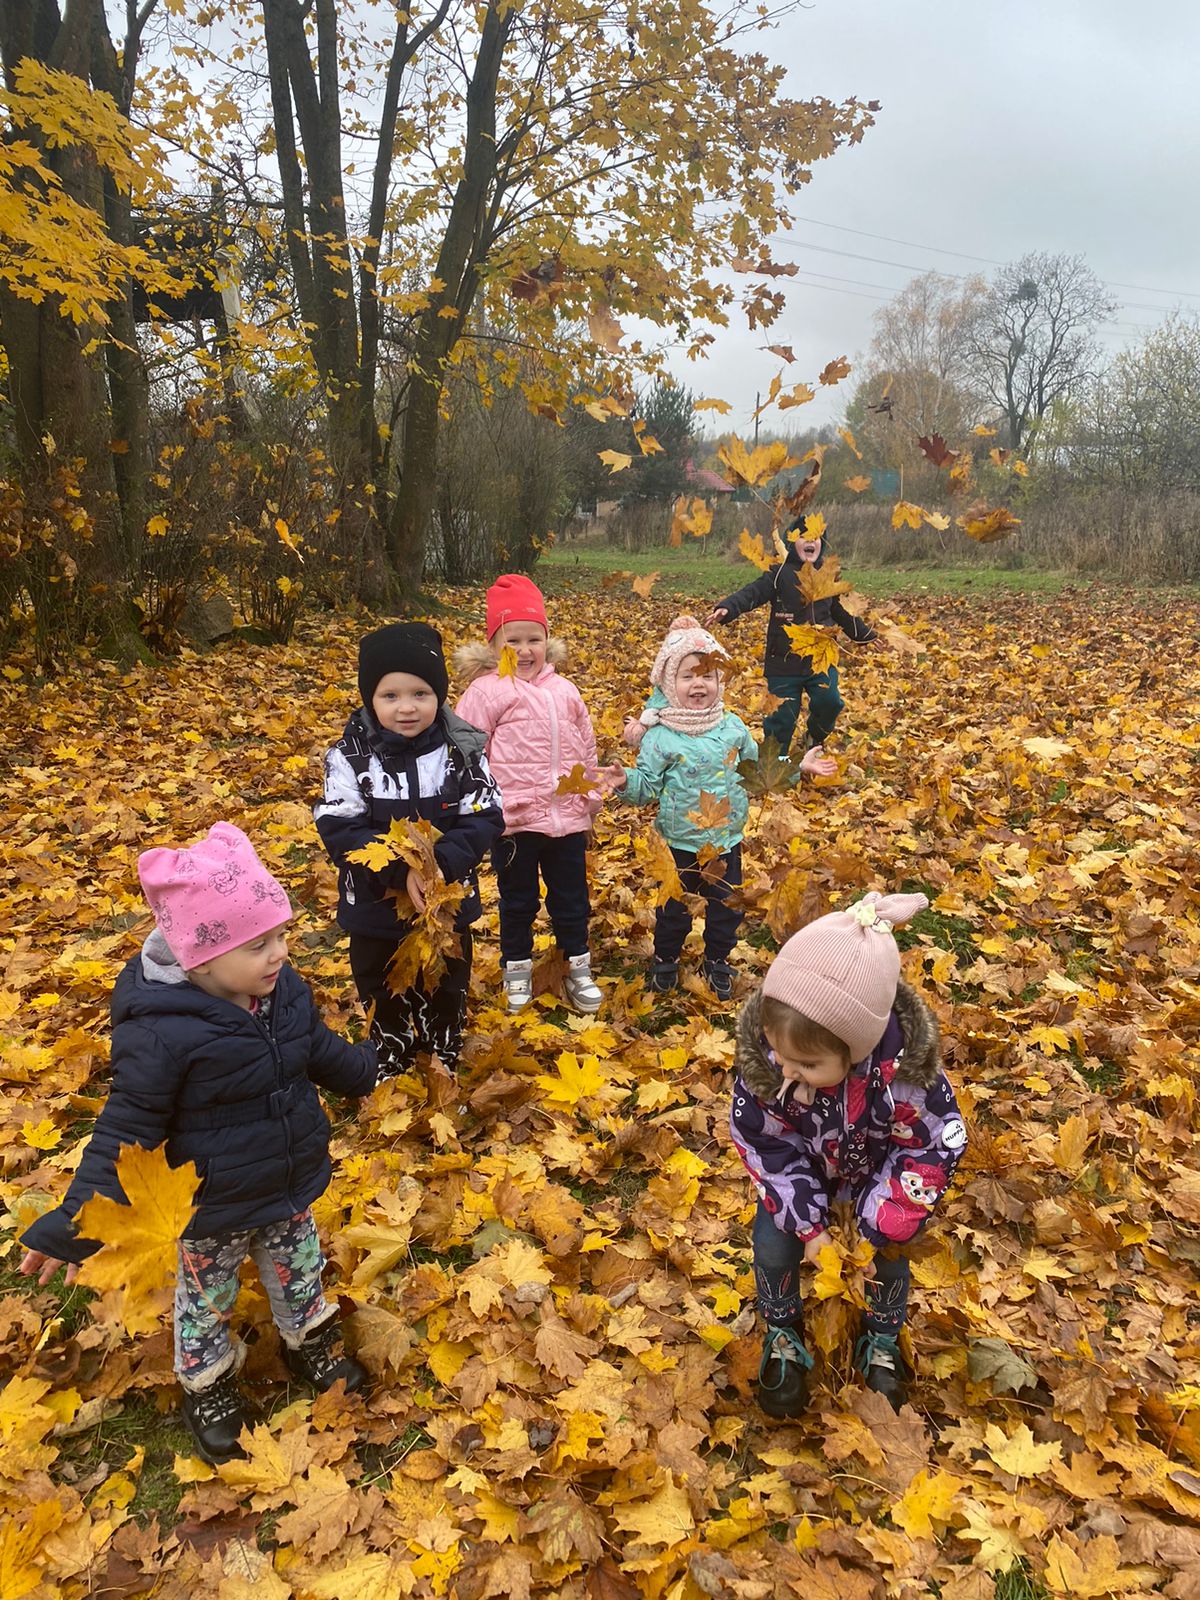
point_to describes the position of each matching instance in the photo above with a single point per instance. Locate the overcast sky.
(1059, 125)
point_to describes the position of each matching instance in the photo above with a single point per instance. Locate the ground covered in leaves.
(552, 1280)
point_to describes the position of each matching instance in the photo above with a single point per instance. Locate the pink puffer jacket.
(537, 731)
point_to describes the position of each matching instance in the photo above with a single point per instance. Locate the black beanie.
(412, 647)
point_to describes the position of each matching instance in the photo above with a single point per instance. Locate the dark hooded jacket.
(781, 588)
(889, 1137)
(224, 1087)
(373, 777)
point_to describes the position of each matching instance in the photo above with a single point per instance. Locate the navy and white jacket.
(230, 1089)
(371, 777)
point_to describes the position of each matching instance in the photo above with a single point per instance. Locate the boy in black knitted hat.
(403, 754)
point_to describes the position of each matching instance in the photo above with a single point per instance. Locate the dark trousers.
(519, 858)
(778, 1257)
(824, 706)
(674, 920)
(415, 1021)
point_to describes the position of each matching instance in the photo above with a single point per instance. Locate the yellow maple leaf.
(614, 460)
(141, 1237)
(1071, 1146)
(936, 519)
(287, 537)
(690, 516)
(989, 526)
(157, 527)
(857, 484)
(663, 1519)
(835, 371)
(575, 782)
(799, 395)
(642, 586)
(506, 666)
(721, 406)
(1048, 749)
(929, 1499)
(1018, 1453)
(816, 643)
(850, 441)
(755, 466)
(906, 515)
(41, 1135)
(751, 546)
(574, 1081)
(1090, 1571)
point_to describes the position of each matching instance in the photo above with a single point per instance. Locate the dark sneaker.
(720, 978)
(215, 1418)
(783, 1373)
(664, 976)
(321, 1361)
(877, 1356)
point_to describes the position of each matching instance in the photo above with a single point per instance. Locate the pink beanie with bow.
(213, 896)
(841, 971)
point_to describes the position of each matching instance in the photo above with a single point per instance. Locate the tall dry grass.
(1132, 536)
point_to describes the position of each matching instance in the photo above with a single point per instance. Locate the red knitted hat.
(514, 598)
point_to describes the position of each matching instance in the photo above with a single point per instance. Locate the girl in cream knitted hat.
(840, 1093)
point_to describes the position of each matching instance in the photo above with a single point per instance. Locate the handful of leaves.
(421, 957)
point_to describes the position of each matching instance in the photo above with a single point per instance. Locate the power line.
(963, 255)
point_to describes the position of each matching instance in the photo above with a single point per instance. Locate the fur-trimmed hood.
(472, 660)
(922, 1045)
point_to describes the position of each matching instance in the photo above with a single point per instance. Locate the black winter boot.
(783, 1373)
(215, 1418)
(664, 976)
(321, 1361)
(877, 1356)
(720, 978)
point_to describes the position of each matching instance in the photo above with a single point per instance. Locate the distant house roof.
(709, 482)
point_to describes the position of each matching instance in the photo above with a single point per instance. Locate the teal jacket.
(675, 769)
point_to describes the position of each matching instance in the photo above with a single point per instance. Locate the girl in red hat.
(537, 729)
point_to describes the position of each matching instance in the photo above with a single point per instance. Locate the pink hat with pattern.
(841, 971)
(212, 896)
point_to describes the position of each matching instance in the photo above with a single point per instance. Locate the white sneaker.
(582, 992)
(518, 983)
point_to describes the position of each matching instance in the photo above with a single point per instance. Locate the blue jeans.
(778, 1257)
(824, 706)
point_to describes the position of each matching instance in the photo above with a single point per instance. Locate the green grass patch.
(693, 571)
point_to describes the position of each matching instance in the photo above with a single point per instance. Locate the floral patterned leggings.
(289, 1261)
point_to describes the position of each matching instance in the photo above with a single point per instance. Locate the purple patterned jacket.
(889, 1137)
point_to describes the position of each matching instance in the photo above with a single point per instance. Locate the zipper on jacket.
(555, 754)
(268, 1032)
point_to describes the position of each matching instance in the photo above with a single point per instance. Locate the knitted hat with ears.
(841, 971)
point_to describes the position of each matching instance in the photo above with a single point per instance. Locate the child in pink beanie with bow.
(216, 1050)
(840, 1093)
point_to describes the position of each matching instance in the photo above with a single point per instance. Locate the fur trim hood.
(471, 661)
(922, 1045)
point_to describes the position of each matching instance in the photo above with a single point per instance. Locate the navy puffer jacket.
(226, 1088)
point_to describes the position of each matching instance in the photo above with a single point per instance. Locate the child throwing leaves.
(216, 1046)
(538, 730)
(405, 755)
(840, 1093)
(687, 763)
(790, 676)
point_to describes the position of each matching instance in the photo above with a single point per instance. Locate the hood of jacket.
(153, 984)
(472, 660)
(446, 727)
(922, 1045)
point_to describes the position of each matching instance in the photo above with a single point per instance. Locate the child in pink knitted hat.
(688, 763)
(840, 1093)
(216, 1049)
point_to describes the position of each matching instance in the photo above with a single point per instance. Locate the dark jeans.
(414, 1021)
(777, 1260)
(824, 706)
(674, 920)
(518, 859)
